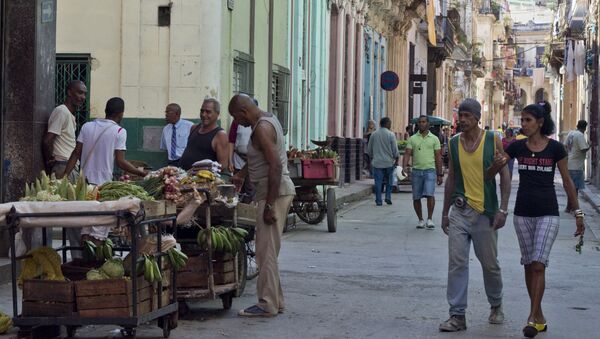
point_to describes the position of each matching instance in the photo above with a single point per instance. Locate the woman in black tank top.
(199, 147)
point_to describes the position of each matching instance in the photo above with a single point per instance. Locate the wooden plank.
(48, 290)
(143, 307)
(112, 301)
(201, 265)
(195, 279)
(154, 208)
(101, 287)
(47, 309)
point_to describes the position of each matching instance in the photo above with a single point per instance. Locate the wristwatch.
(503, 211)
(268, 206)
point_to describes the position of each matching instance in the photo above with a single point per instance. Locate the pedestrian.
(408, 132)
(207, 140)
(57, 145)
(577, 148)
(425, 149)
(267, 168)
(383, 151)
(239, 136)
(536, 216)
(475, 216)
(175, 134)
(101, 144)
(371, 127)
(509, 138)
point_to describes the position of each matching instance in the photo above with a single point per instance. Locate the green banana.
(172, 259)
(148, 270)
(157, 274)
(180, 254)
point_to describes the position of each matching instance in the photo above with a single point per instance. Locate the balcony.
(445, 40)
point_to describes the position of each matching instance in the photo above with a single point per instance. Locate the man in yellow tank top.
(475, 215)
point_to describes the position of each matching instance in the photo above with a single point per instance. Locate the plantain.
(156, 268)
(148, 269)
(172, 259)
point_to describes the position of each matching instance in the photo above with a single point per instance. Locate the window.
(164, 15)
(520, 57)
(243, 73)
(280, 88)
(73, 67)
(539, 56)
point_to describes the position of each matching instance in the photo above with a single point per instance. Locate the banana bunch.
(42, 263)
(5, 323)
(206, 174)
(150, 267)
(99, 252)
(177, 258)
(48, 188)
(223, 239)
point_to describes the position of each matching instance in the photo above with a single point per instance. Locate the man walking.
(577, 148)
(100, 143)
(425, 149)
(175, 134)
(59, 143)
(267, 168)
(383, 151)
(475, 215)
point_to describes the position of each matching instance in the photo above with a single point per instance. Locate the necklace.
(475, 142)
(533, 152)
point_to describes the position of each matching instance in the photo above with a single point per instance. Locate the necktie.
(174, 143)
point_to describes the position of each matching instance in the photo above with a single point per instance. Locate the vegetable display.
(115, 190)
(223, 239)
(48, 188)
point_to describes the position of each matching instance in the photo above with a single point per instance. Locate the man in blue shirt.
(175, 134)
(383, 150)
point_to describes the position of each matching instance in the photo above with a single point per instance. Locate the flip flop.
(255, 311)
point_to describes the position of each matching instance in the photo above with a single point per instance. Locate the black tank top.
(199, 147)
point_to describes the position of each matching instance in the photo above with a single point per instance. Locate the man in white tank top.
(267, 167)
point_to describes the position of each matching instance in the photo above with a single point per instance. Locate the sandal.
(532, 329)
(255, 311)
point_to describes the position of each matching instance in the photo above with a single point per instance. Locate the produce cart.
(78, 303)
(209, 275)
(311, 206)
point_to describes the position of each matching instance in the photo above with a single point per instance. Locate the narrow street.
(380, 277)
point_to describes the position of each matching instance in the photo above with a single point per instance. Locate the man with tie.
(175, 134)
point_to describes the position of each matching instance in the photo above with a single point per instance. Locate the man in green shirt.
(424, 147)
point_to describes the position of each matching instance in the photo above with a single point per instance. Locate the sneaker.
(454, 324)
(496, 315)
(387, 201)
(430, 224)
(421, 224)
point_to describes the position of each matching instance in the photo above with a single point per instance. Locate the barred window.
(73, 67)
(280, 88)
(243, 73)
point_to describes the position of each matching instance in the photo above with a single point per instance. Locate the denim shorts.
(577, 177)
(423, 183)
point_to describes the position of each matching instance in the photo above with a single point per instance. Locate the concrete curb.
(353, 197)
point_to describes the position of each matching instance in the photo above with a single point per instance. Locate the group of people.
(254, 151)
(471, 210)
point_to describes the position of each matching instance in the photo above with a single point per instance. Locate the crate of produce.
(77, 269)
(318, 168)
(48, 298)
(195, 272)
(114, 297)
(295, 168)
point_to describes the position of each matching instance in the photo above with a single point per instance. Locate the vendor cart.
(130, 214)
(209, 275)
(311, 206)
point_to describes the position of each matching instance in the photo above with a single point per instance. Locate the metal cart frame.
(166, 314)
(313, 210)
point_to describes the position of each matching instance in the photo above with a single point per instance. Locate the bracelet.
(503, 211)
(578, 213)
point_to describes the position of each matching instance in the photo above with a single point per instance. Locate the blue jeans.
(466, 226)
(379, 174)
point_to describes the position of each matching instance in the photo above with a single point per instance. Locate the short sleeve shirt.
(62, 123)
(576, 144)
(100, 139)
(423, 150)
(536, 195)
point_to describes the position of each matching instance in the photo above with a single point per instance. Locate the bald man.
(267, 168)
(175, 134)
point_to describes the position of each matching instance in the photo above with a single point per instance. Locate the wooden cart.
(70, 304)
(209, 275)
(311, 206)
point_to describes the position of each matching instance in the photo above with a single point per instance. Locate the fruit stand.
(309, 170)
(127, 301)
(216, 265)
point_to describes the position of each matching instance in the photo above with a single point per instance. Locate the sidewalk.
(591, 194)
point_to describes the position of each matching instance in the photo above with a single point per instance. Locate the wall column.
(348, 94)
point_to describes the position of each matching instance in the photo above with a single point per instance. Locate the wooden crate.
(195, 273)
(114, 297)
(77, 268)
(159, 208)
(48, 298)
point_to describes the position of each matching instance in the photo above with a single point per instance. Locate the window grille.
(243, 73)
(73, 67)
(280, 88)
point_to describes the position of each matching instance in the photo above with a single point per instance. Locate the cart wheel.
(227, 300)
(183, 308)
(71, 330)
(309, 212)
(128, 333)
(165, 324)
(251, 266)
(331, 210)
(242, 271)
